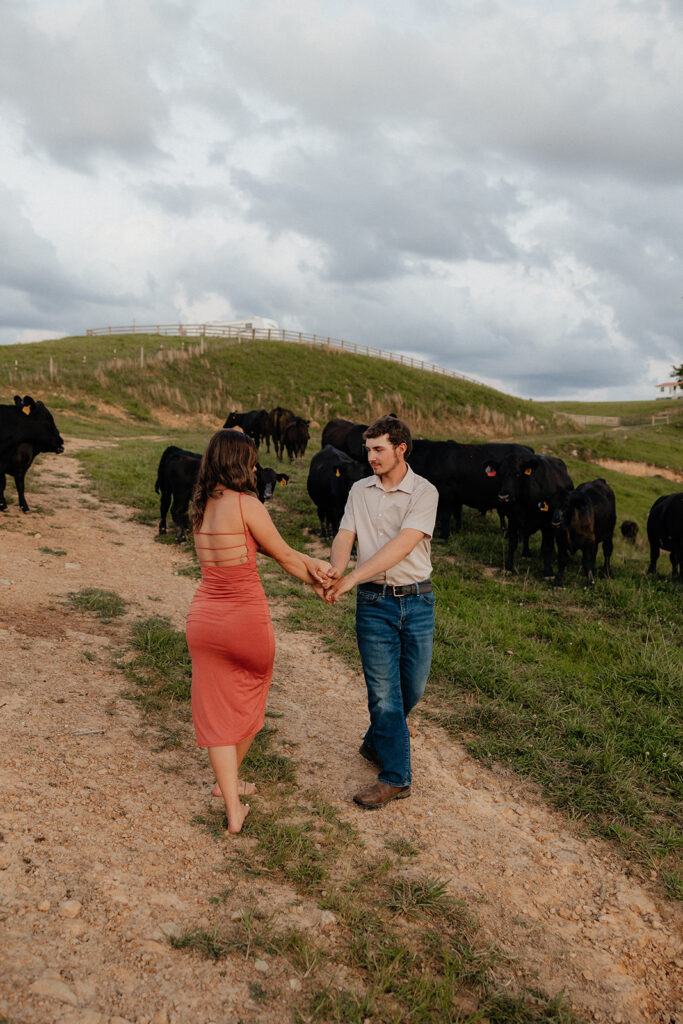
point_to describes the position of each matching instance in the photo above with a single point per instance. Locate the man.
(391, 515)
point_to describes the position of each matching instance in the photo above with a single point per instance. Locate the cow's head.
(508, 474)
(568, 508)
(267, 480)
(41, 430)
(231, 420)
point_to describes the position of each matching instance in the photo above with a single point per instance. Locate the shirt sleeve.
(421, 514)
(349, 518)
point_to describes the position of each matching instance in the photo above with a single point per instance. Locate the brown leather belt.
(398, 590)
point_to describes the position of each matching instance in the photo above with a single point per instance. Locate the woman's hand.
(321, 572)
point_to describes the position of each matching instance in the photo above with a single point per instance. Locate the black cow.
(279, 419)
(267, 480)
(629, 530)
(460, 474)
(175, 482)
(255, 423)
(665, 530)
(176, 478)
(330, 477)
(530, 487)
(346, 436)
(295, 438)
(585, 518)
(26, 429)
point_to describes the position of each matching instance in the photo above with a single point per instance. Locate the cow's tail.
(162, 462)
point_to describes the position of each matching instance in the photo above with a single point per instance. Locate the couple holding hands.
(391, 516)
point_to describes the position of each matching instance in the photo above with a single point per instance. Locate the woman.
(229, 632)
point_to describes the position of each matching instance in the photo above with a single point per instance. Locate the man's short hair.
(397, 431)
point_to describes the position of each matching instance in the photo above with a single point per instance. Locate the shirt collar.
(407, 484)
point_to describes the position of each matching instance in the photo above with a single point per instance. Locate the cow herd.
(530, 492)
(288, 431)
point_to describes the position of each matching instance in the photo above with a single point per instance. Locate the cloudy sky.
(495, 185)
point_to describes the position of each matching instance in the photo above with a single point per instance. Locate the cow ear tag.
(337, 473)
(543, 505)
(490, 472)
(26, 409)
(283, 483)
(527, 472)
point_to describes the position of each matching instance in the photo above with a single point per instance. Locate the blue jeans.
(395, 639)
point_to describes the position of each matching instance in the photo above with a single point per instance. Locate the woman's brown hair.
(228, 461)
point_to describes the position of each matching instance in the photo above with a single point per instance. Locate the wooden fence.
(267, 334)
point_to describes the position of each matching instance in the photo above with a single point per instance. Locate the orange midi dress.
(230, 638)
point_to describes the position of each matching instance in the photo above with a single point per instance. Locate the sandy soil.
(99, 859)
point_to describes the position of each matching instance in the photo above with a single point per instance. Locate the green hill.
(96, 382)
(106, 376)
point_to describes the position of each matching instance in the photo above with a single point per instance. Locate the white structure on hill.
(252, 323)
(671, 389)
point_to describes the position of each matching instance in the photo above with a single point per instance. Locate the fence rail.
(227, 331)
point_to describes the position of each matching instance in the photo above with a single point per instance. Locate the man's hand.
(342, 586)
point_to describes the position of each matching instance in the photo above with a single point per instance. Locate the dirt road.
(100, 861)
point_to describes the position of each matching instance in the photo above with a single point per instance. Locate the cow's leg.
(588, 561)
(607, 547)
(513, 539)
(3, 484)
(179, 517)
(562, 559)
(443, 518)
(654, 553)
(456, 509)
(19, 482)
(547, 549)
(164, 506)
(675, 559)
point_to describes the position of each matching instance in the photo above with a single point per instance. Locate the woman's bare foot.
(235, 823)
(244, 788)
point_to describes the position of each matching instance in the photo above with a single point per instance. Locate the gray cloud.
(87, 89)
(493, 185)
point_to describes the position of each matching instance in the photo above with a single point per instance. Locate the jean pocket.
(428, 598)
(367, 597)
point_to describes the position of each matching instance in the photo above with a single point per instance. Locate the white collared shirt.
(377, 516)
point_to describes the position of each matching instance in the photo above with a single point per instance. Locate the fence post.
(142, 357)
(52, 368)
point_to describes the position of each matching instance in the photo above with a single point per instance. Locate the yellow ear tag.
(283, 483)
(337, 473)
(26, 409)
(543, 505)
(527, 472)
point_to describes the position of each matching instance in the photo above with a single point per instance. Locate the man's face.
(382, 455)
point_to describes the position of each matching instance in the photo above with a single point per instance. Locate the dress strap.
(244, 525)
